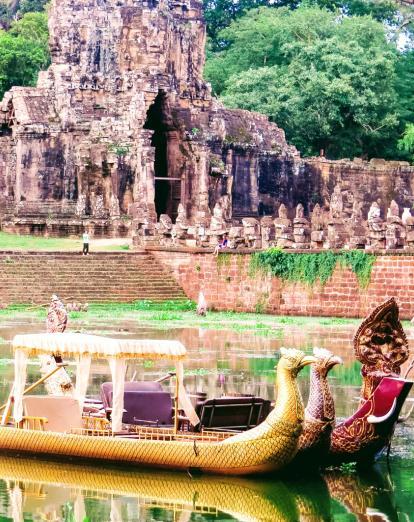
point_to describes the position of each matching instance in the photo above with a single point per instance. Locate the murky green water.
(219, 362)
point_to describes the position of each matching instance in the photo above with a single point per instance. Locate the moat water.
(219, 362)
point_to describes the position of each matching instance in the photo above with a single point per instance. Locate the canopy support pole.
(177, 387)
(34, 385)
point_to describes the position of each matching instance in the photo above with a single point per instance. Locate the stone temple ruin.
(122, 136)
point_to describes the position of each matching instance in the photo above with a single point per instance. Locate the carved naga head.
(380, 345)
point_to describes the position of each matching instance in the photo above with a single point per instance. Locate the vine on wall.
(313, 267)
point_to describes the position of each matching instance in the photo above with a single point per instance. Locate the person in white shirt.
(85, 238)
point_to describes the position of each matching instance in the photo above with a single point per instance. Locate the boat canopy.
(75, 344)
(83, 347)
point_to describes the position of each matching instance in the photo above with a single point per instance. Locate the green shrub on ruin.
(312, 268)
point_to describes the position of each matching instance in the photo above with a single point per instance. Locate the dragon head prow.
(294, 360)
(325, 359)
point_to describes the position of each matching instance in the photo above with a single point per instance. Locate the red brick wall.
(227, 285)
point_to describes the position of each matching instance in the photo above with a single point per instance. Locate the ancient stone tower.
(122, 125)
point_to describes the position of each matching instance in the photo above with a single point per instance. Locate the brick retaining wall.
(227, 285)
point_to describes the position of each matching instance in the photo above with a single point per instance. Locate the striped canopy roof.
(73, 344)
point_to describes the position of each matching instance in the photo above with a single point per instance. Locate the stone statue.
(336, 203)
(376, 227)
(181, 225)
(406, 215)
(283, 228)
(57, 318)
(267, 229)
(317, 227)
(201, 305)
(164, 230)
(394, 210)
(225, 204)
(300, 212)
(251, 232)
(301, 230)
(59, 383)
(282, 212)
(395, 230)
(217, 225)
(374, 212)
(357, 230)
(336, 235)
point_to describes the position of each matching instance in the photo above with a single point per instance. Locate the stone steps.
(105, 277)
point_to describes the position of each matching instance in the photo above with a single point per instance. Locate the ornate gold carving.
(381, 346)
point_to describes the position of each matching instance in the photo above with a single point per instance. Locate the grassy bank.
(16, 242)
(181, 314)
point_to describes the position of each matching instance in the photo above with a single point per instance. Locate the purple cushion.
(106, 389)
(148, 407)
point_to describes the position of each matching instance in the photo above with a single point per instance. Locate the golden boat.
(266, 448)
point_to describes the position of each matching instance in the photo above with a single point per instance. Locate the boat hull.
(365, 435)
(262, 455)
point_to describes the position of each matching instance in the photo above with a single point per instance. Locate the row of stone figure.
(324, 230)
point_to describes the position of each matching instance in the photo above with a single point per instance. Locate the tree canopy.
(330, 81)
(23, 51)
(220, 13)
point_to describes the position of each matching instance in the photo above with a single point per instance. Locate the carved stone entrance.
(164, 140)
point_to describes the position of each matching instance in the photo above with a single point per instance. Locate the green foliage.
(32, 6)
(406, 143)
(119, 149)
(328, 81)
(23, 51)
(312, 268)
(223, 260)
(220, 13)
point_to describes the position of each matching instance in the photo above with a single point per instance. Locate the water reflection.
(365, 493)
(219, 362)
(32, 490)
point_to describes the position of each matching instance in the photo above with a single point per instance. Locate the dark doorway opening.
(167, 187)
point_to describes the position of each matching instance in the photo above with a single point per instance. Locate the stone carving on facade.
(81, 206)
(218, 225)
(336, 206)
(164, 229)
(317, 227)
(182, 231)
(110, 119)
(357, 230)
(267, 228)
(376, 227)
(408, 222)
(336, 235)
(114, 210)
(283, 229)
(301, 228)
(98, 207)
(236, 237)
(251, 232)
(395, 230)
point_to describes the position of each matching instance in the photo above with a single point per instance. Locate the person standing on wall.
(85, 239)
